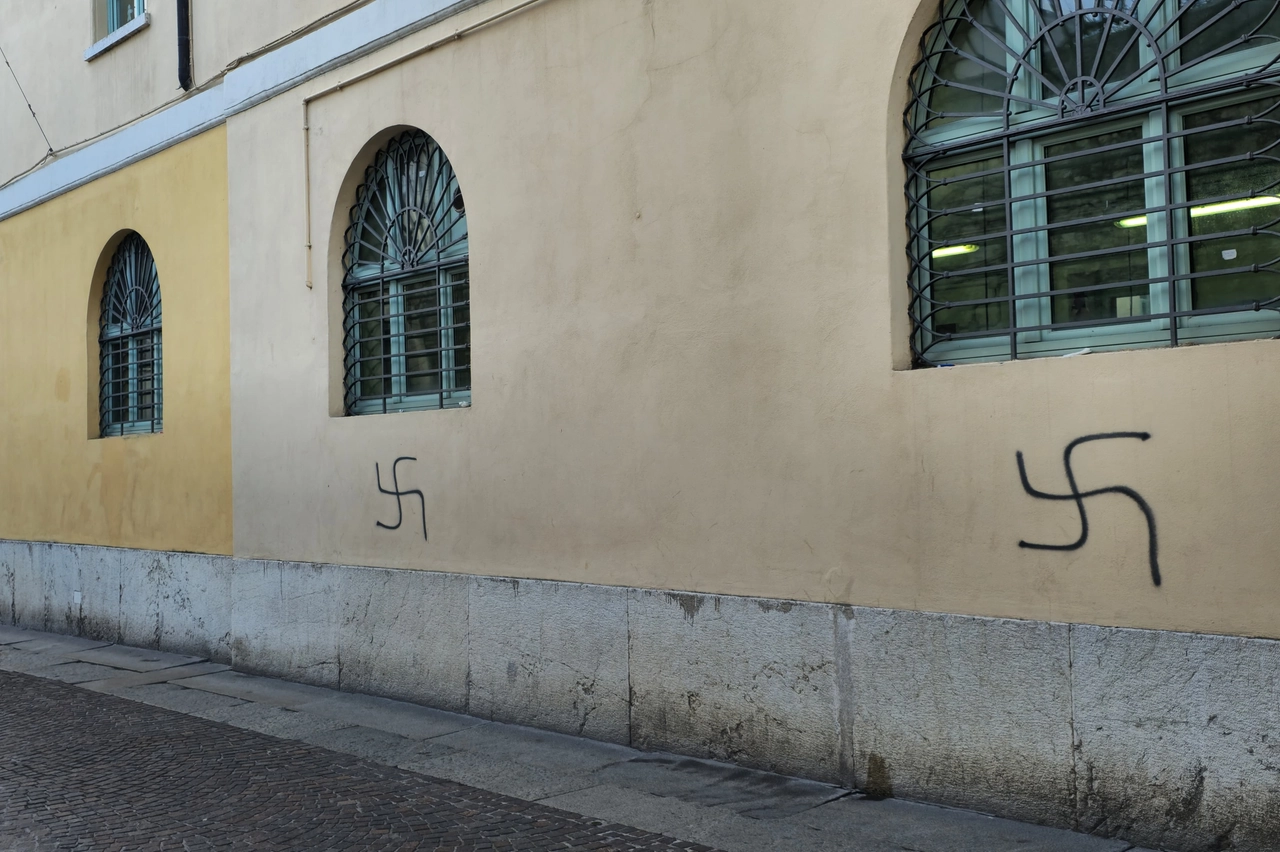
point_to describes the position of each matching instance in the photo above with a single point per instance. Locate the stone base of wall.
(1165, 739)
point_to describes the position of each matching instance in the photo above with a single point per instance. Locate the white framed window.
(114, 21)
(406, 284)
(1093, 174)
(121, 12)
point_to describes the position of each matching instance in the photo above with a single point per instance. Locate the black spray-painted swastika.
(398, 494)
(1080, 496)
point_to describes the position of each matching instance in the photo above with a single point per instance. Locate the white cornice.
(361, 32)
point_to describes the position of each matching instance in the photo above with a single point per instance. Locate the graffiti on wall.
(398, 493)
(1079, 497)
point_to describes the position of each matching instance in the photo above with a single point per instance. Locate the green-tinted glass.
(1209, 25)
(1085, 50)
(976, 47)
(1116, 201)
(968, 238)
(1235, 196)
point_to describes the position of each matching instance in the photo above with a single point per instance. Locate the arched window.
(406, 288)
(1093, 174)
(130, 388)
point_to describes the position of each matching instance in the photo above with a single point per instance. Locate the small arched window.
(406, 287)
(130, 387)
(1093, 174)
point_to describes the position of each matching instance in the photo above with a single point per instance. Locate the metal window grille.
(1093, 174)
(406, 286)
(131, 378)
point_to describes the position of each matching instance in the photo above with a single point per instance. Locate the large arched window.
(1093, 174)
(130, 387)
(406, 288)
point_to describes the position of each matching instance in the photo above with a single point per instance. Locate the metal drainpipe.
(184, 44)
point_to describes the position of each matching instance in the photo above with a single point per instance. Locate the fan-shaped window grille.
(406, 287)
(1093, 174)
(130, 387)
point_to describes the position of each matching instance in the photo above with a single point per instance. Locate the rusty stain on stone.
(774, 606)
(879, 785)
(691, 604)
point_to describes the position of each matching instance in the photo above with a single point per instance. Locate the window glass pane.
(461, 337)
(156, 397)
(373, 242)
(1223, 23)
(965, 234)
(373, 330)
(121, 12)
(1083, 51)
(422, 338)
(1089, 184)
(422, 369)
(971, 74)
(460, 296)
(116, 402)
(1236, 193)
(144, 373)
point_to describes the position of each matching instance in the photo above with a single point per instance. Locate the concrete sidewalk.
(720, 805)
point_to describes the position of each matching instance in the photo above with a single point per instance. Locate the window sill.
(118, 35)
(139, 430)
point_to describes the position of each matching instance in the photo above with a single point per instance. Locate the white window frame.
(113, 31)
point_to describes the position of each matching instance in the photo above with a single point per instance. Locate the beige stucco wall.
(60, 481)
(78, 100)
(688, 322)
(223, 31)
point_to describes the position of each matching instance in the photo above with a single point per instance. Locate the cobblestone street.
(82, 770)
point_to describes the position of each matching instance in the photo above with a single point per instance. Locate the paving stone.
(849, 824)
(71, 671)
(270, 720)
(135, 659)
(45, 643)
(14, 660)
(119, 681)
(9, 635)
(894, 824)
(396, 717)
(173, 697)
(266, 690)
(510, 778)
(370, 744)
(760, 795)
(83, 770)
(536, 748)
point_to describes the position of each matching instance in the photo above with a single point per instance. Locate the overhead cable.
(47, 143)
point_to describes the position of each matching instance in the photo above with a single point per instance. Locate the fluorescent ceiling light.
(952, 251)
(1232, 206)
(1210, 209)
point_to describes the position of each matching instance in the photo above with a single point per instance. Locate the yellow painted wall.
(58, 481)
